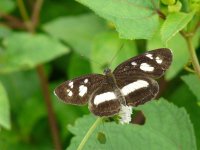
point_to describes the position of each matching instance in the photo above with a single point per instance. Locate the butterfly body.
(110, 78)
(130, 84)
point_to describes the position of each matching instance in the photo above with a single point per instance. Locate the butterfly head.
(107, 71)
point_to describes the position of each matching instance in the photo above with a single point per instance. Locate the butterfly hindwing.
(131, 84)
(78, 90)
(152, 64)
(104, 101)
(137, 89)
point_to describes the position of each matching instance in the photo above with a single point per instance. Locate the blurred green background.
(46, 42)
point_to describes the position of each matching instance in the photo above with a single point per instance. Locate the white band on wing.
(104, 97)
(134, 86)
(146, 67)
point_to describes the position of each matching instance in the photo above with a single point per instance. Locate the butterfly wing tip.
(54, 92)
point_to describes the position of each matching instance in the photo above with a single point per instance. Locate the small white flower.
(125, 114)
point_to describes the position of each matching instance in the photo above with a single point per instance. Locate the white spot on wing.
(69, 92)
(71, 84)
(86, 81)
(134, 86)
(158, 60)
(133, 63)
(82, 90)
(104, 97)
(149, 56)
(146, 67)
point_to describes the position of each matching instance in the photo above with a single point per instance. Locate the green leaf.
(174, 23)
(132, 19)
(193, 83)
(180, 53)
(77, 31)
(106, 51)
(78, 66)
(7, 6)
(25, 51)
(183, 97)
(23, 103)
(4, 109)
(4, 31)
(15, 82)
(26, 111)
(162, 130)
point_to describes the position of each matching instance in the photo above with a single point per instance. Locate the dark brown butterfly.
(130, 84)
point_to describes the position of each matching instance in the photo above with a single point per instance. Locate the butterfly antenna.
(121, 47)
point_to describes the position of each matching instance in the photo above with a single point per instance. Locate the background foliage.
(42, 43)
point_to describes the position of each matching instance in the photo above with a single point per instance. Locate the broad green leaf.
(14, 84)
(193, 83)
(162, 130)
(25, 51)
(77, 31)
(4, 31)
(180, 53)
(23, 103)
(132, 19)
(174, 23)
(109, 51)
(7, 6)
(4, 109)
(183, 97)
(28, 112)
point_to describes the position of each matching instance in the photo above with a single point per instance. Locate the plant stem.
(51, 114)
(31, 25)
(193, 55)
(36, 12)
(22, 10)
(24, 15)
(89, 133)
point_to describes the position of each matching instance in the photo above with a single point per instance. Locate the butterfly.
(132, 83)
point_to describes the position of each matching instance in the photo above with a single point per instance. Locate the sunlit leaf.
(109, 51)
(25, 51)
(174, 23)
(162, 130)
(7, 6)
(77, 31)
(182, 96)
(132, 19)
(193, 83)
(4, 109)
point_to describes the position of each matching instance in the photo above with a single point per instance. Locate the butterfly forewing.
(152, 64)
(132, 83)
(78, 90)
(137, 89)
(104, 101)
